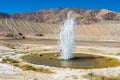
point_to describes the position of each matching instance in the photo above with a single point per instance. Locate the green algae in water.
(80, 61)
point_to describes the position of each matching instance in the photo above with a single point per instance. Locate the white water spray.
(67, 38)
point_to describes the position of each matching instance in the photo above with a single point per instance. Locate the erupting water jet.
(66, 37)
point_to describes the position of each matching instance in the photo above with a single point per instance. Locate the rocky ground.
(10, 72)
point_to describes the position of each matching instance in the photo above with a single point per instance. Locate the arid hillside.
(100, 31)
(98, 24)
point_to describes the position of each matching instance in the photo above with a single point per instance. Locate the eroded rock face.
(56, 16)
(111, 16)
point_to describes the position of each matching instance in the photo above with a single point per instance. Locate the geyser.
(65, 58)
(66, 38)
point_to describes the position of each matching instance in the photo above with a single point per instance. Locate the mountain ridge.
(56, 16)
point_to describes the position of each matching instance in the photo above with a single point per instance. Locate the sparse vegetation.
(118, 53)
(41, 69)
(74, 77)
(35, 79)
(93, 76)
(25, 66)
(9, 60)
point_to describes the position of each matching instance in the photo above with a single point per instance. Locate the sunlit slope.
(106, 30)
(25, 27)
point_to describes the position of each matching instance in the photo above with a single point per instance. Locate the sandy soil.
(55, 42)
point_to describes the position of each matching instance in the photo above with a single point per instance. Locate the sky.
(16, 6)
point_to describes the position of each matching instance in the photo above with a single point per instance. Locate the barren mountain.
(4, 15)
(56, 16)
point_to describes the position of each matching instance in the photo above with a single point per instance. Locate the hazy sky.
(15, 6)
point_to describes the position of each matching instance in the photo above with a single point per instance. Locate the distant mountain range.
(56, 16)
